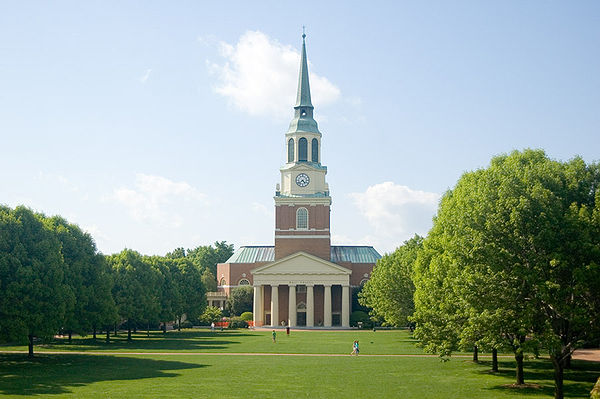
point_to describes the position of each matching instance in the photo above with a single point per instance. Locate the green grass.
(187, 376)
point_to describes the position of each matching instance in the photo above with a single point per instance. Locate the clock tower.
(302, 201)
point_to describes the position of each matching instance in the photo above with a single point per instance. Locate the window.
(315, 150)
(244, 281)
(291, 150)
(301, 307)
(363, 281)
(303, 149)
(302, 218)
(223, 282)
(301, 289)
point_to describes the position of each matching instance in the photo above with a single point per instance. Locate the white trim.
(304, 236)
(312, 229)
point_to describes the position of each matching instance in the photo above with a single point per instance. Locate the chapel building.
(301, 281)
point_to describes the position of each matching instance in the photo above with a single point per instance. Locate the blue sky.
(156, 125)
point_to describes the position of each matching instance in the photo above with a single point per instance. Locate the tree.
(209, 281)
(87, 277)
(207, 257)
(390, 290)
(191, 289)
(240, 300)
(514, 253)
(34, 295)
(170, 295)
(136, 289)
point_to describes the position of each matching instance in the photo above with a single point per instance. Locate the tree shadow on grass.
(578, 380)
(171, 341)
(56, 374)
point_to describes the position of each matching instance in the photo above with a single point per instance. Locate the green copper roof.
(252, 254)
(339, 253)
(303, 110)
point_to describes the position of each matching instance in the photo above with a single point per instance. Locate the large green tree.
(137, 287)
(512, 259)
(170, 296)
(240, 300)
(87, 277)
(207, 256)
(191, 289)
(390, 290)
(33, 295)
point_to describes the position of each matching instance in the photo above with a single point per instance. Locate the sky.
(155, 125)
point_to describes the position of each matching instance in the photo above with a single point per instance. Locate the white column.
(310, 306)
(327, 306)
(345, 306)
(292, 306)
(274, 305)
(256, 314)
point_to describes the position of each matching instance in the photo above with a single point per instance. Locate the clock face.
(302, 180)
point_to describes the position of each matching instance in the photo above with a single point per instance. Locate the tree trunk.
(128, 330)
(495, 360)
(107, 335)
(475, 354)
(30, 355)
(179, 323)
(135, 328)
(559, 368)
(70, 335)
(519, 359)
(164, 327)
(148, 330)
(115, 334)
(94, 334)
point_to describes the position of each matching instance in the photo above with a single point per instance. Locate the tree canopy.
(34, 295)
(389, 292)
(512, 260)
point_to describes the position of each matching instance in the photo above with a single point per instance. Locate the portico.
(302, 283)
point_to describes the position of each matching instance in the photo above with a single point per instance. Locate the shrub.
(246, 316)
(211, 315)
(187, 324)
(237, 322)
(360, 316)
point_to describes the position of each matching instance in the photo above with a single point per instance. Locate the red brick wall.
(318, 216)
(320, 247)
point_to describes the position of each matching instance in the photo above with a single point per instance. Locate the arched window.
(223, 282)
(315, 150)
(291, 150)
(363, 281)
(302, 218)
(244, 281)
(303, 149)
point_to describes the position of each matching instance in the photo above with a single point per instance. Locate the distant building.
(302, 280)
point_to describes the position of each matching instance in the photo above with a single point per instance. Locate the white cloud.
(260, 76)
(160, 200)
(396, 212)
(145, 76)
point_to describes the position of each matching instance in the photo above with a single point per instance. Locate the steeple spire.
(303, 96)
(303, 110)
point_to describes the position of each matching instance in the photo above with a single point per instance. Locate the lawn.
(189, 372)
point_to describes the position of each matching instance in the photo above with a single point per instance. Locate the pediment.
(301, 263)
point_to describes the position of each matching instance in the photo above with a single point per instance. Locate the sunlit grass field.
(250, 367)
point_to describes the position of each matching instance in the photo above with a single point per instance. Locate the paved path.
(592, 355)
